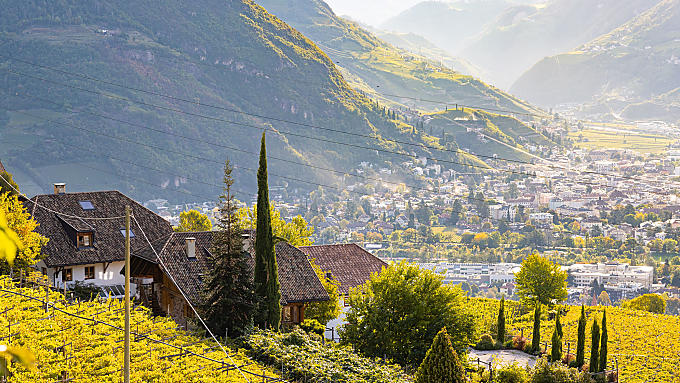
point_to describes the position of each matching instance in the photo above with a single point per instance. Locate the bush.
(520, 343)
(545, 372)
(486, 343)
(306, 359)
(313, 326)
(85, 291)
(511, 374)
(509, 344)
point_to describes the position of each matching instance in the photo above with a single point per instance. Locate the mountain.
(634, 69)
(394, 76)
(421, 46)
(447, 24)
(63, 118)
(523, 35)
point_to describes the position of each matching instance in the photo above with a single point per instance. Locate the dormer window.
(84, 239)
(86, 205)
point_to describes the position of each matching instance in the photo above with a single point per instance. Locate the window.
(44, 271)
(89, 272)
(84, 239)
(67, 275)
(86, 205)
(132, 233)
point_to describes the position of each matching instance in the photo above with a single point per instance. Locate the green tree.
(297, 232)
(441, 363)
(556, 350)
(19, 222)
(653, 303)
(398, 312)
(603, 343)
(7, 184)
(267, 285)
(540, 281)
(536, 336)
(581, 338)
(328, 310)
(229, 299)
(594, 347)
(501, 322)
(193, 221)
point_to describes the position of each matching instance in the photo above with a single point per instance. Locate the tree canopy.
(297, 232)
(398, 312)
(327, 310)
(193, 221)
(540, 281)
(7, 184)
(22, 224)
(653, 303)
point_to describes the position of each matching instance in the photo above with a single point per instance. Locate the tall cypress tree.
(536, 337)
(501, 322)
(229, 301)
(267, 286)
(594, 347)
(556, 351)
(581, 341)
(441, 363)
(603, 343)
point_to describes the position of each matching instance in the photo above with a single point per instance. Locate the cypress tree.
(228, 289)
(501, 322)
(267, 286)
(603, 343)
(556, 351)
(441, 363)
(558, 327)
(581, 341)
(594, 347)
(536, 337)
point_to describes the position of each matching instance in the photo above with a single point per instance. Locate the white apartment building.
(612, 273)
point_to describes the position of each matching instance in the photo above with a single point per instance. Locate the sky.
(372, 12)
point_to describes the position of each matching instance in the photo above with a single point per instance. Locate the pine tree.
(441, 363)
(536, 337)
(228, 289)
(581, 341)
(267, 286)
(603, 343)
(501, 322)
(556, 351)
(594, 347)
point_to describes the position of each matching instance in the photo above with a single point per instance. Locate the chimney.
(59, 188)
(191, 247)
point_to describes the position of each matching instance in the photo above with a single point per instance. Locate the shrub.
(313, 326)
(511, 374)
(441, 363)
(519, 343)
(486, 343)
(545, 372)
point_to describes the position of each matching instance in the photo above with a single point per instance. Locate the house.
(90, 249)
(350, 265)
(175, 276)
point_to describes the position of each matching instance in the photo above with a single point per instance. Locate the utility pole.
(126, 362)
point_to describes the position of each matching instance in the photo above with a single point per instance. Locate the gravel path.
(503, 357)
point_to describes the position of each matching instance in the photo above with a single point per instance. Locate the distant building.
(611, 274)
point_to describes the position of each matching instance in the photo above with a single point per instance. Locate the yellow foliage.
(296, 232)
(27, 241)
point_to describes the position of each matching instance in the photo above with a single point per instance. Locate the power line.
(422, 146)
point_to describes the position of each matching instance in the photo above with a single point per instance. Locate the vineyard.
(82, 342)
(645, 345)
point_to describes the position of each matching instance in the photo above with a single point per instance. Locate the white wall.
(111, 276)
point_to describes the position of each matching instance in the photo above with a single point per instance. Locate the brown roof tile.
(350, 264)
(109, 242)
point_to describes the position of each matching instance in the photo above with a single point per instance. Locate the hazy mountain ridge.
(233, 54)
(634, 68)
(519, 38)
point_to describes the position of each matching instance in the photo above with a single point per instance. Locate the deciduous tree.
(193, 221)
(328, 310)
(22, 224)
(540, 281)
(398, 312)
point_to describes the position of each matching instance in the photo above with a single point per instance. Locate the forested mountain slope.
(233, 55)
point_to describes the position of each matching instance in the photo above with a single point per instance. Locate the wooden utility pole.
(126, 363)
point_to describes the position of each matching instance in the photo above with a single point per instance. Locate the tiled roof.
(109, 242)
(299, 282)
(350, 264)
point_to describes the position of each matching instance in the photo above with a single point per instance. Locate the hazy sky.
(372, 12)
